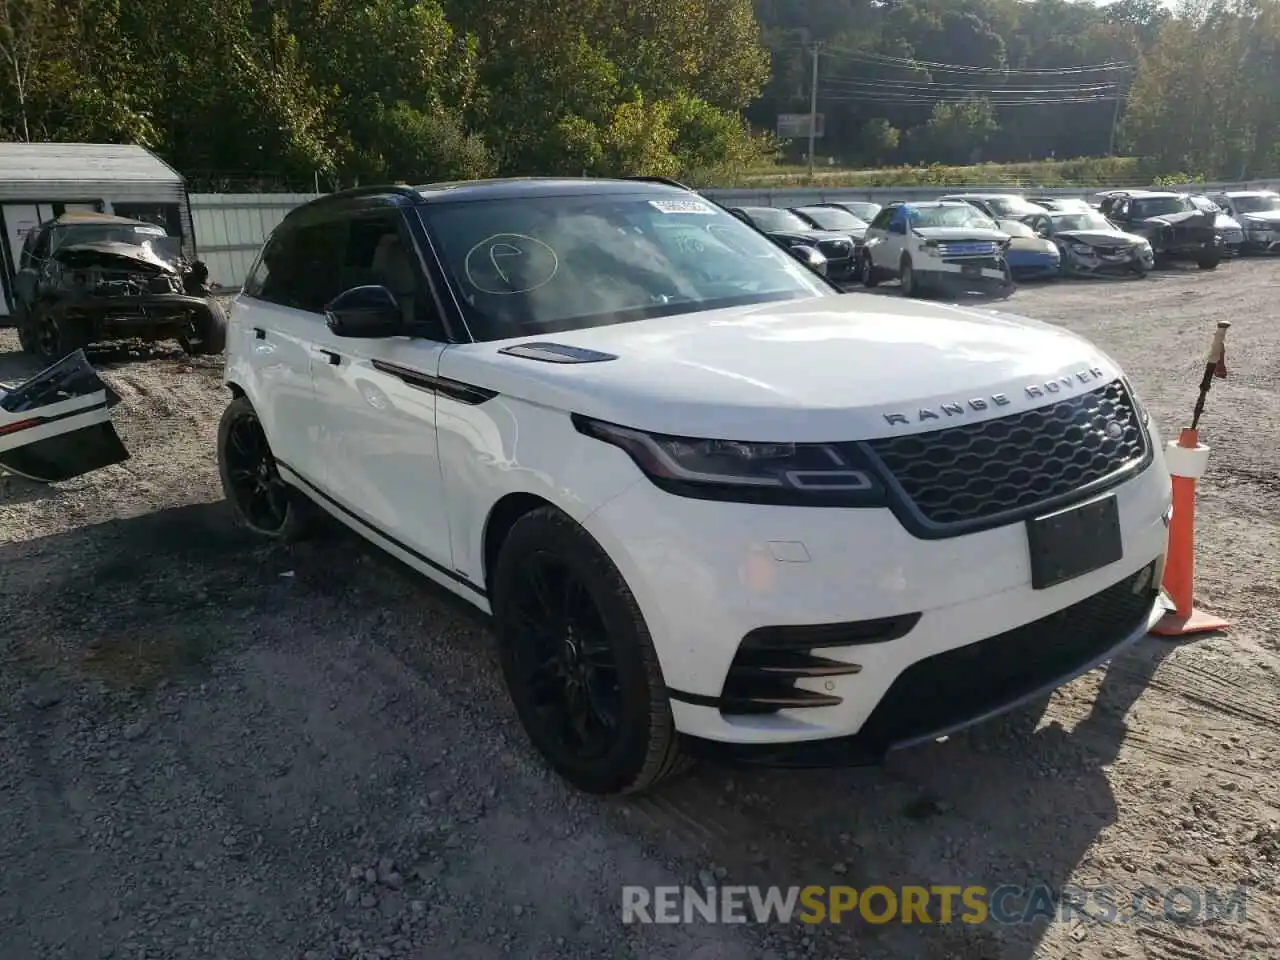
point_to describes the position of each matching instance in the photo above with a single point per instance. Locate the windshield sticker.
(509, 263)
(681, 206)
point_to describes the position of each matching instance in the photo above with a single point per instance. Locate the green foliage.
(363, 90)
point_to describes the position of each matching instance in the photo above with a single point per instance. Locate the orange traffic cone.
(1187, 460)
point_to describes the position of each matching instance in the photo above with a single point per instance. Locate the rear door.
(888, 253)
(276, 325)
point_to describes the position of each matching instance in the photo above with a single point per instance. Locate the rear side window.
(301, 267)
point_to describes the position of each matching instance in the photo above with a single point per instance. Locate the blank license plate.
(1073, 542)
(971, 269)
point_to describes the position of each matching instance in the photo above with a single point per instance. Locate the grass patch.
(1084, 172)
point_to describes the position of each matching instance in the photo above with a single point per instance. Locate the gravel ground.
(212, 748)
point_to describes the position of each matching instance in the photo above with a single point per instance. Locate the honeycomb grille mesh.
(976, 471)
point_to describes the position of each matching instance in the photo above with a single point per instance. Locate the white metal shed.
(40, 181)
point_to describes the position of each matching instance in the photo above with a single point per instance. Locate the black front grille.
(836, 249)
(966, 474)
(951, 688)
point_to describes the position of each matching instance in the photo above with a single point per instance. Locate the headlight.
(1082, 248)
(796, 474)
(1139, 407)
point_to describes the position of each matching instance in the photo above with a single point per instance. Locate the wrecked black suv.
(86, 278)
(1174, 226)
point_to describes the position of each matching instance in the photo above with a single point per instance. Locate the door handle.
(332, 358)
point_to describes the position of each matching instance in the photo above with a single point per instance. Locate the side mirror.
(811, 257)
(366, 313)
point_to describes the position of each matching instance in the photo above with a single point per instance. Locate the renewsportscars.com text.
(1006, 904)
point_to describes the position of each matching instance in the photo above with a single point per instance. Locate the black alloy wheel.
(578, 660)
(566, 661)
(263, 502)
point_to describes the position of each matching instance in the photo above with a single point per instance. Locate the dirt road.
(211, 748)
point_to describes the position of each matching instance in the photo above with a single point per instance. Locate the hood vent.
(556, 353)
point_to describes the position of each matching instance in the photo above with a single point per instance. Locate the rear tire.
(578, 660)
(261, 500)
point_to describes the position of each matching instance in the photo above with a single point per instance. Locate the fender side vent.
(556, 353)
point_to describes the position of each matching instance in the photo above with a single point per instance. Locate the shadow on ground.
(1013, 802)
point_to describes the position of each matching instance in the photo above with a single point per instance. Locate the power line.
(905, 63)
(910, 98)
(853, 85)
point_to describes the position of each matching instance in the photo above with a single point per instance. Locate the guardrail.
(231, 227)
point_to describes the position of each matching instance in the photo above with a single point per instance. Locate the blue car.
(1030, 257)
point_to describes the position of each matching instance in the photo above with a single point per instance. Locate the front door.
(377, 400)
(19, 220)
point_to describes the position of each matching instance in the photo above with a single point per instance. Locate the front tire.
(907, 278)
(578, 660)
(251, 482)
(867, 272)
(210, 332)
(1208, 263)
(54, 335)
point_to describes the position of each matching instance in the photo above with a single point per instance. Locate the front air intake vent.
(556, 353)
(762, 678)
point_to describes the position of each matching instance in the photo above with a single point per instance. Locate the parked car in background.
(710, 503)
(90, 277)
(1226, 225)
(1030, 256)
(932, 245)
(834, 219)
(1175, 227)
(1090, 244)
(864, 210)
(788, 230)
(998, 206)
(1258, 213)
(1063, 204)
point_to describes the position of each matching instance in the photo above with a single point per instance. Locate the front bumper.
(1265, 241)
(1132, 260)
(706, 574)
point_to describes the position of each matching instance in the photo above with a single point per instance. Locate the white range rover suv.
(708, 499)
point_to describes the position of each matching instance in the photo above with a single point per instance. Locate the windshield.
(1012, 206)
(1159, 206)
(957, 215)
(135, 234)
(776, 221)
(1256, 204)
(863, 211)
(832, 218)
(1015, 229)
(546, 264)
(1081, 221)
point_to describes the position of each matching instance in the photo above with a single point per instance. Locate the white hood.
(960, 233)
(1269, 217)
(843, 367)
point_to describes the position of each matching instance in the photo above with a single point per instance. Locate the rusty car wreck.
(89, 278)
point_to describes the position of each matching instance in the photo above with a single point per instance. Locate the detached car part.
(57, 425)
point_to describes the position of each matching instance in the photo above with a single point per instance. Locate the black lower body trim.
(314, 491)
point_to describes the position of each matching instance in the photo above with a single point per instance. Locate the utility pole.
(1115, 115)
(813, 109)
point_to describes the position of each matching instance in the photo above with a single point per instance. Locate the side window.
(898, 221)
(881, 219)
(35, 247)
(380, 252)
(300, 267)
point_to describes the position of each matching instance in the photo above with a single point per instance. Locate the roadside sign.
(795, 126)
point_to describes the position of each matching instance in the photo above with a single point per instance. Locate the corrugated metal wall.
(230, 228)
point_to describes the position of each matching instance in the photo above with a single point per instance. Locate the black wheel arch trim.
(315, 492)
(453, 389)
